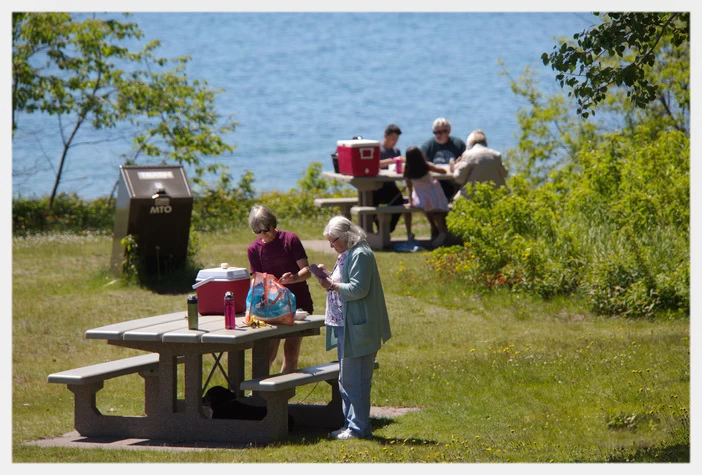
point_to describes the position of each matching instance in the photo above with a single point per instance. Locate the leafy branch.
(599, 58)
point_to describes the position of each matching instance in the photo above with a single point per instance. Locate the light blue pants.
(355, 378)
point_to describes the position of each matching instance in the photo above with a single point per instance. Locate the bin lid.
(152, 182)
(357, 143)
(223, 272)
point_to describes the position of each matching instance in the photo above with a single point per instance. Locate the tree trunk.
(66, 147)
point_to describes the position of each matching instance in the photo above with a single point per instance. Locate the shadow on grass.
(311, 436)
(177, 281)
(679, 453)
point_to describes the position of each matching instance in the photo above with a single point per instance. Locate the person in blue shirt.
(442, 149)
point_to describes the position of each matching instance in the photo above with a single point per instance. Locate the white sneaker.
(337, 432)
(347, 435)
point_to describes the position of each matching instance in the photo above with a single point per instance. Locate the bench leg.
(86, 413)
(276, 419)
(329, 416)
(381, 239)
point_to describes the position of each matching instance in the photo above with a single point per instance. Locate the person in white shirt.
(478, 164)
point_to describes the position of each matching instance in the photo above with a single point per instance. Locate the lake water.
(298, 82)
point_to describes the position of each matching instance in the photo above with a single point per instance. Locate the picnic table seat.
(100, 372)
(381, 239)
(278, 388)
(86, 381)
(344, 204)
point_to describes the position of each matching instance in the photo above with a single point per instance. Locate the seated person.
(443, 148)
(478, 164)
(426, 193)
(389, 193)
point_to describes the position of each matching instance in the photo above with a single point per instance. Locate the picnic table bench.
(381, 239)
(86, 381)
(279, 388)
(364, 209)
(344, 204)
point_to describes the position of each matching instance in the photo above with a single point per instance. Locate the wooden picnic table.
(366, 185)
(169, 418)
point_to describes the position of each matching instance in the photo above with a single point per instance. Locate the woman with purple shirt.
(280, 253)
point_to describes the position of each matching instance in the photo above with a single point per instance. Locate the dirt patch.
(391, 412)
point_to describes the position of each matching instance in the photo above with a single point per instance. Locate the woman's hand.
(325, 282)
(288, 278)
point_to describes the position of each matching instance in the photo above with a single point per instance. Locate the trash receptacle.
(154, 204)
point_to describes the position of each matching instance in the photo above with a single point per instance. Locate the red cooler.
(220, 280)
(358, 157)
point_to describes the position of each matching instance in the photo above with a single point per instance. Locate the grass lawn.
(498, 378)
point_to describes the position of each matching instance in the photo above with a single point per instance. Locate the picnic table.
(169, 343)
(366, 211)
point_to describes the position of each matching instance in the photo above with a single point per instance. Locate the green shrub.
(70, 213)
(612, 225)
(512, 238)
(633, 275)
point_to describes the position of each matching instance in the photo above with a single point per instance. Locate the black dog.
(224, 405)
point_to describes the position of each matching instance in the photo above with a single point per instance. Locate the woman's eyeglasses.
(331, 243)
(261, 231)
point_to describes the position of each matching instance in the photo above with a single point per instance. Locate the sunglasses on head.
(439, 132)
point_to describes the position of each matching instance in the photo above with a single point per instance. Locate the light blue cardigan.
(366, 321)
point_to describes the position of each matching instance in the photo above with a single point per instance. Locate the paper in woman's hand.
(317, 272)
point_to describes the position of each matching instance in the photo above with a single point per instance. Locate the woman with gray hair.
(280, 253)
(357, 322)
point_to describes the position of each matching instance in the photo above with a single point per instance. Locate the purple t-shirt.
(279, 257)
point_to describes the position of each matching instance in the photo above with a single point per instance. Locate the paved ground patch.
(74, 440)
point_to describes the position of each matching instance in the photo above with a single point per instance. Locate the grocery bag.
(269, 301)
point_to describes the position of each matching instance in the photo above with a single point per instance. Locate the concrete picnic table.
(169, 418)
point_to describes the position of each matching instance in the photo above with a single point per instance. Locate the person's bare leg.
(291, 354)
(431, 217)
(408, 226)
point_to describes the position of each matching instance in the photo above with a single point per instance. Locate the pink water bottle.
(398, 165)
(229, 314)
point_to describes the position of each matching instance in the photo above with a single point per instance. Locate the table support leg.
(193, 383)
(365, 198)
(260, 365)
(151, 391)
(168, 388)
(237, 371)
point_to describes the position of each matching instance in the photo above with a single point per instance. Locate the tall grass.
(497, 378)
